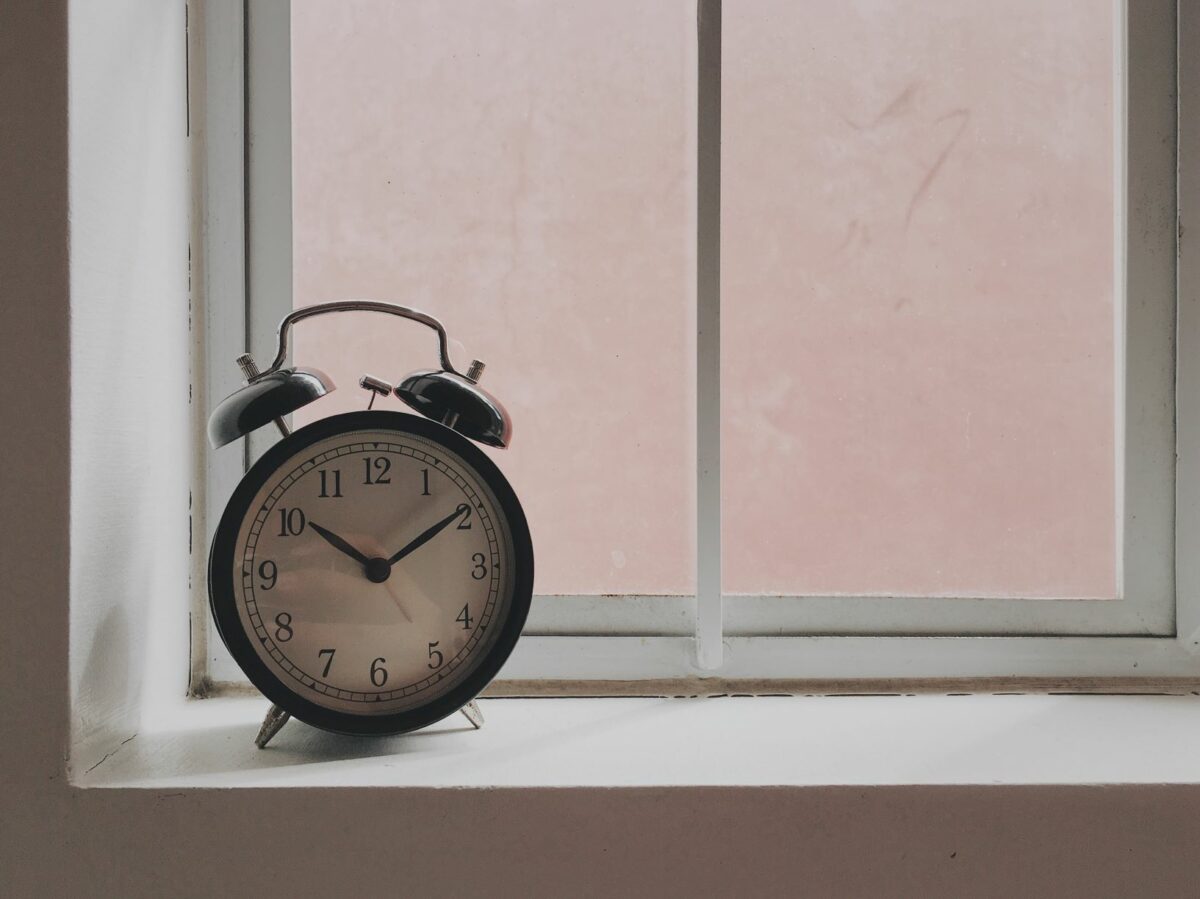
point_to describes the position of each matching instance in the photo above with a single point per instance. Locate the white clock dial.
(372, 571)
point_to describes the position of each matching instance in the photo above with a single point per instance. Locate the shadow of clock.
(301, 744)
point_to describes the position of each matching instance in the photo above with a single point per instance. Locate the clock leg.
(472, 713)
(275, 720)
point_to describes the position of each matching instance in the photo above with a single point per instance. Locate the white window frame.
(1151, 633)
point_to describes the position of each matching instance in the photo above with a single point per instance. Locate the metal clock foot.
(472, 713)
(272, 724)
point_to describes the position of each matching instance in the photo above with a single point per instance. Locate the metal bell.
(459, 403)
(266, 398)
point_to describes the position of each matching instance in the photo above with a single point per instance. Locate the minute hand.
(425, 536)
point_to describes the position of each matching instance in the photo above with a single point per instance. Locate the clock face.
(378, 571)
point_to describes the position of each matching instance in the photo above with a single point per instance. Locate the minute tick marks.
(381, 572)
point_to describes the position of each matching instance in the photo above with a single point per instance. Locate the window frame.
(1152, 631)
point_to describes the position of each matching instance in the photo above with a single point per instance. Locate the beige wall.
(57, 840)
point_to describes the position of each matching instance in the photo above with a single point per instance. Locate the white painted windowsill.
(727, 741)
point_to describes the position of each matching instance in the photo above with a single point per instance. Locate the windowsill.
(728, 741)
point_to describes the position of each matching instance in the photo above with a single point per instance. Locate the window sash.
(1145, 155)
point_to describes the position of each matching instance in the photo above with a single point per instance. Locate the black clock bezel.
(222, 597)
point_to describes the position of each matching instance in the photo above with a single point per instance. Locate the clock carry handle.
(444, 394)
(449, 396)
(416, 315)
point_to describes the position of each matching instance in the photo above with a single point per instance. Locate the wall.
(55, 839)
(128, 175)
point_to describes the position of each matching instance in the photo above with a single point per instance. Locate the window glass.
(918, 298)
(524, 171)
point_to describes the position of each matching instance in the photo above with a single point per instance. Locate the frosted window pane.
(524, 171)
(918, 303)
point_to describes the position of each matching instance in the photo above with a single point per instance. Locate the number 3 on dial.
(479, 572)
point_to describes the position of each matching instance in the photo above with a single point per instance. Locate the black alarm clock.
(373, 570)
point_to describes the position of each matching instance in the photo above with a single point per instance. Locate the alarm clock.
(373, 570)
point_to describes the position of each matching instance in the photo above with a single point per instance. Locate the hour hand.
(338, 543)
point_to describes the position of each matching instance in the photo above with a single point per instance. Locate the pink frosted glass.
(918, 310)
(524, 171)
